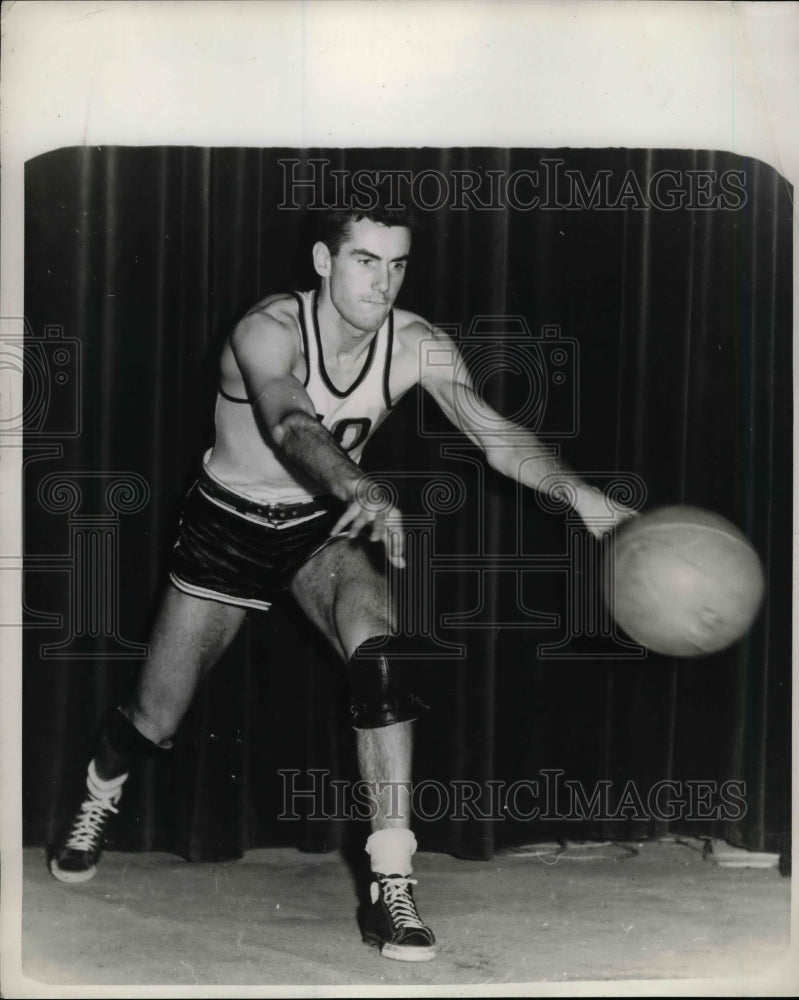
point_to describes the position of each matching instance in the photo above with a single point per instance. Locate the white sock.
(390, 851)
(103, 789)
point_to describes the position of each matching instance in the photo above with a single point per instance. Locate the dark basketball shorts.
(234, 550)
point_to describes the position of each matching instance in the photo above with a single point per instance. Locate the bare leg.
(189, 636)
(346, 597)
(384, 755)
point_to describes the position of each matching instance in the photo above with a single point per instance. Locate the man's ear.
(321, 259)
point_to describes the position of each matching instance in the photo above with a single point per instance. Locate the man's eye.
(365, 260)
(399, 265)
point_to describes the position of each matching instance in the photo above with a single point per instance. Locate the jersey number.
(349, 432)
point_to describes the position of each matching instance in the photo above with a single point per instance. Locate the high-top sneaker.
(392, 923)
(75, 858)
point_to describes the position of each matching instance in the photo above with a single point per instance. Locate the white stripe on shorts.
(213, 595)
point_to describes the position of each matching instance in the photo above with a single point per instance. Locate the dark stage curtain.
(667, 357)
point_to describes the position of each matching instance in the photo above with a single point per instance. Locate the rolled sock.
(100, 788)
(390, 851)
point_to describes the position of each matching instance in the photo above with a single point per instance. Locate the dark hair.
(332, 226)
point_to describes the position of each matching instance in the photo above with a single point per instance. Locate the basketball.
(683, 581)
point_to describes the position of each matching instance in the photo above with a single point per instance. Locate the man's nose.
(381, 279)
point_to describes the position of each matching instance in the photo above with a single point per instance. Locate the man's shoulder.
(411, 329)
(414, 335)
(273, 316)
(279, 308)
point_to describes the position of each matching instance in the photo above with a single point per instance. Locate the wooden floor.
(279, 918)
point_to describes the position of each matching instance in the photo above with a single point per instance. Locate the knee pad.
(126, 740)
(378, 694)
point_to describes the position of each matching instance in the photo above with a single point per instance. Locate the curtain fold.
(677, 326)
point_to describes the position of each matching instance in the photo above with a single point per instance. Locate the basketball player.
(281, 503)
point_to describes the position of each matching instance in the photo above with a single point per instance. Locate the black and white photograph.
(397, 452)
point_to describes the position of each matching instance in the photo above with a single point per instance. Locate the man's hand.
(373, 511)
(600, 513)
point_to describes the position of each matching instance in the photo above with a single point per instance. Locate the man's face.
(366, 274)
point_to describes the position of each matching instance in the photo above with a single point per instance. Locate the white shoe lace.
(88, 826)
(400, 902)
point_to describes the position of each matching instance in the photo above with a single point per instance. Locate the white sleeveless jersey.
(351, 413)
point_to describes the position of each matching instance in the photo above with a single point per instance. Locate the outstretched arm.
(511, 449)
(266, 353)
